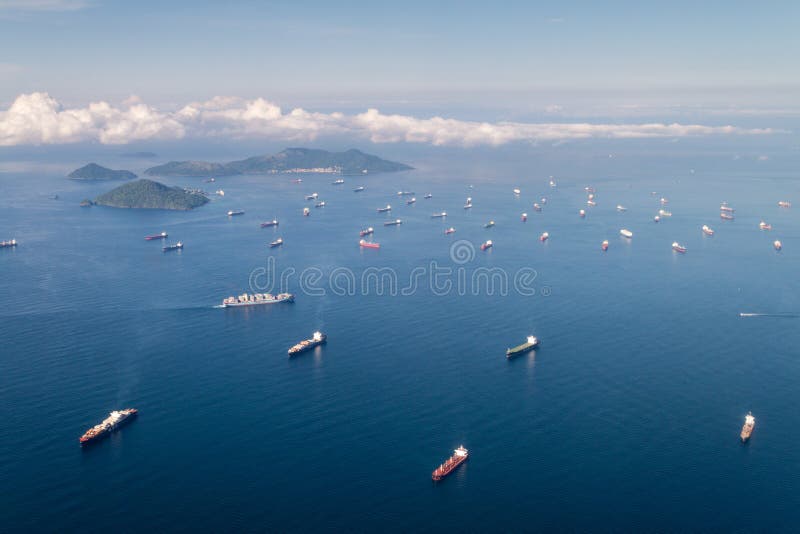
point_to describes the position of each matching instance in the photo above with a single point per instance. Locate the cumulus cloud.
(37, 118)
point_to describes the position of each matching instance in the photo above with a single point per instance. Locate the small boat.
(517, 191)
(552, 183)
(320, 204)
(439, 215)
(358, 189)
(393, 223)
(232, 213)
(626, 233)
(468, 204)
(410, 201)
(312, 196)
(176, 246)
(405, 193)
(219, 192)
(544, 200)
(747, 428)
(604, 245)
(582, 213)
(449, 231)
(489, 224)
(591, 203)
(306, 212)
(384, 210)
(657, 218)
(369, 244)
(524, 217)
(726, 216)
(487, 245)
(784, 204)
(764, 226)
(268, 224)
(544, 237)
(536, 207)
(620, 207)
(777, 244)
(665, 213)
(677, 247)
(427, 196)
(707, 230)
(162, 235)
(8, 244)
(278, 242)
(366, 231)
(340, 181)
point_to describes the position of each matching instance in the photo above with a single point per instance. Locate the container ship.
(677, 247)
(8, 244)
(162, 235)
(747, 428)
(707, 230)
(257, 299)
(366, 231)
(170, 248)
(115, 420)
(317, 338)
(368, 244)
(384, 210)
(530, 343)
(278, 242)
(460, 456)
(393, 223)
(267, 224)
(232, 213)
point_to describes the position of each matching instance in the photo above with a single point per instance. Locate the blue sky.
(517, 61)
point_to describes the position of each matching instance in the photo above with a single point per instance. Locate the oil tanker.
(530, 343)
(460, 456)
(318, 338)
(747, 428)
(115, 419)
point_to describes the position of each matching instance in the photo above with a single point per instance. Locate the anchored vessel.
(278, 242)
(306, 212)
(162, 235)
(677, 247)
(176, 246)
(411, 200)
(427, 196)
(530, 343)
(707, 230)
(784, 204)
(489, 224)
(725, 216)
(747, 428)
(366, 231)
(9, 243)
(517, 191)
(604, 245)
(405, 193)
(317, 338)
(620, 207)
(115, 419)
(777, 244)
(267, 224)
(764, 226)
(368, 244)
(524, 217)
(358, 189)
(536, 207)
(231, 213)
(393, 223)
(582, 213)
(439, 215)
(460, 455)
(626, 233)
(487, 245)
(320, 204)
(544, 237)
(246, 299)
(384, 210)
(725, 207)
(449, 231)
(340, 181)
(312, 196)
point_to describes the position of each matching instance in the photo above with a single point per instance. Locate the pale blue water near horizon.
(626, 418)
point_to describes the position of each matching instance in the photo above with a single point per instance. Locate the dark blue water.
(627, 418)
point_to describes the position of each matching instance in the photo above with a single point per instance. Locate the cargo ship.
(530, 343)
(8, 244)
(320, 204)
(358, 189)
(626, 233)
(312, 196)
(544, 237)
(665, 213)
(340, 181)
(427, 196)
(232, 213)
(384, 210)
(764, 226)
(747, 428)
(657, 218)
(725, 207)
(468, 203)
(489, 224)
(536, 207)
(405, 193)
(460, 456)
(246, 299)
(591, 203)
(411, 200)
(677, 247)
(162, 235)
(439, 215)
(604, 245)
(176, 246)
(267, 224)
(317, 339)
(620, 207)
(114, 421)
(368, 244)
(366, 231)
(777, 244)
(784, 204)
(487, 245)
(449, 231)
(393, 223)
(725, 216)
(524, 217)
(278, 242)
(707, 230)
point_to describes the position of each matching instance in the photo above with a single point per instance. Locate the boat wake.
(783, 315)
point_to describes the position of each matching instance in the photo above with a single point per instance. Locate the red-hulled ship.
(368, 244)
(460, 456)
(111, 423)
(162, 235)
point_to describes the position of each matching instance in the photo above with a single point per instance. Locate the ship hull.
(521, 349)
(310, 346)
(105, 433)
(441, 473)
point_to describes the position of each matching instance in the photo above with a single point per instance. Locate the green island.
(147, 194)
(93, 171)
(290, 160)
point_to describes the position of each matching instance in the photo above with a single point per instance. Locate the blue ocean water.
(626, 418)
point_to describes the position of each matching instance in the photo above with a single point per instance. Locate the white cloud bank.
(37, 119)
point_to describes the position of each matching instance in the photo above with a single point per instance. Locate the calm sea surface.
(626, 418)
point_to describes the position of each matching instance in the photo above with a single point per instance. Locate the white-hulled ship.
(256, 299)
